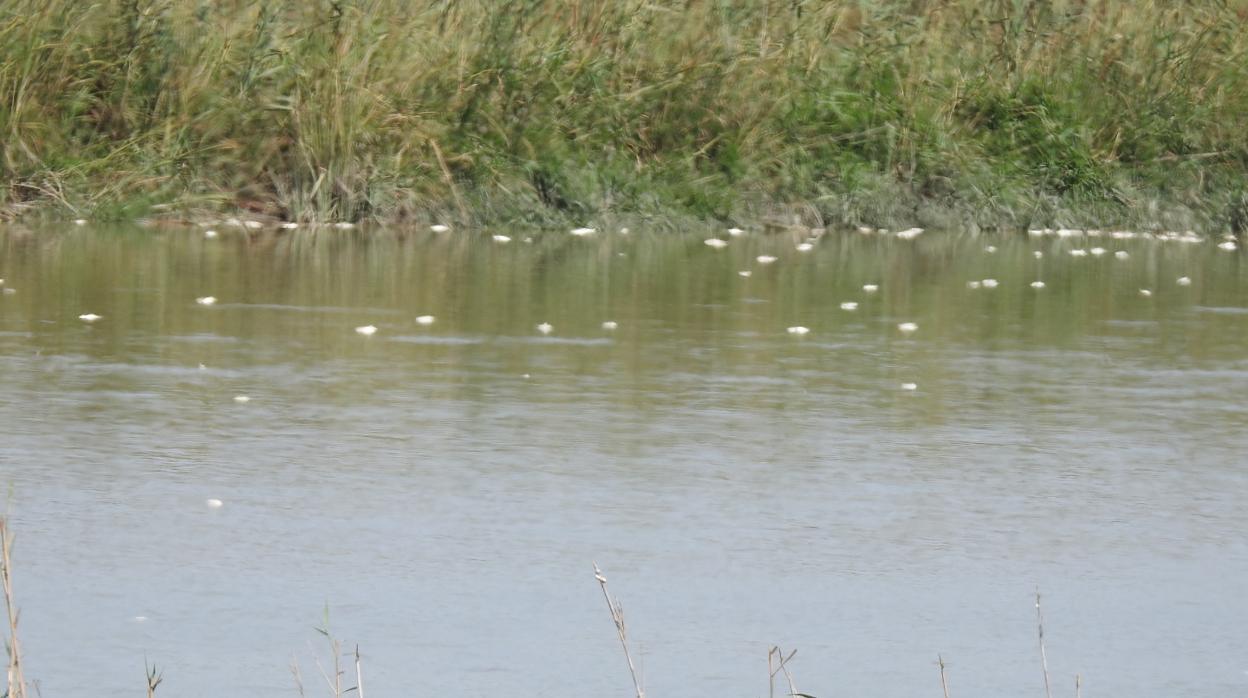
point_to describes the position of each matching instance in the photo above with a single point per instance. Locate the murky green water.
(445, 488)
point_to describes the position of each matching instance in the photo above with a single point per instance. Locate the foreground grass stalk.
(154, 678)
(1044, 660)
(944, 683)
(359, 674)
(334, 676)
(16, 681)
(617, 616)
(781, 666)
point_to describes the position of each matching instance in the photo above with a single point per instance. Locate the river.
(439, 492)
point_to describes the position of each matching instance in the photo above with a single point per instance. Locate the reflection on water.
(444, 488)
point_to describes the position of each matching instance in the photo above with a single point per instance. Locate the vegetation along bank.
(964, 113)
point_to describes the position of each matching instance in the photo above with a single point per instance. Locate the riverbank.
(967, 114)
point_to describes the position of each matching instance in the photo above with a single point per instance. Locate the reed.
(996, 113)
(1044, 659)
(778, 663)
(617, 617)
(16, 680)
(154, 678)
(944, 681)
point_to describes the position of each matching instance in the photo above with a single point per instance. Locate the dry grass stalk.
(781, 666)
(1078, 686)
(359, 674)
(617, 615)
(154, 678)
(294, 670)
(771, 674)
(944, 682)
(17, 682)
(333, 682)
(1044, 660)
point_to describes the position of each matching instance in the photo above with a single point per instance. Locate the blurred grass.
(1002, 113)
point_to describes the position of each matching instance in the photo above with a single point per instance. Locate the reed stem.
(16, 680)
(617, 616)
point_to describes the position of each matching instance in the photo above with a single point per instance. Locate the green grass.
(996, 113)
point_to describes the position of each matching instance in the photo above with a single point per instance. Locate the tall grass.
(994, 112)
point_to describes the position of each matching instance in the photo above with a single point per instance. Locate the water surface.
(444, 490)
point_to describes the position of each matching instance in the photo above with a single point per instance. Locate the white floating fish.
(735, 232)
(439, 228)
(870, 288)
(1037, 284)
(1037, 254)
(865, 230)
(1183, 281)
(425, 320)
(805, 247)
(344, 225)
(907, 327)
(1079, 253)
(90, 317)
(909, 386)
(1146, 293)
(799, 330)
(366, 330)
(765, 259)
(745, 273)
(990, 249)
(253, 225)
(909, 233)
(212, 503)
(288, 225)
(716, 243)
(849, 305)
(1097, 251)
(206, 300)
(242, 399)
(989, 283)
(1229, 246)
(501, 238)
(210, 234)
(623, 231)
(972, 285)
(80, 221)
(545, 328)
(582, 232)
(610, 325)
(1121, 254)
